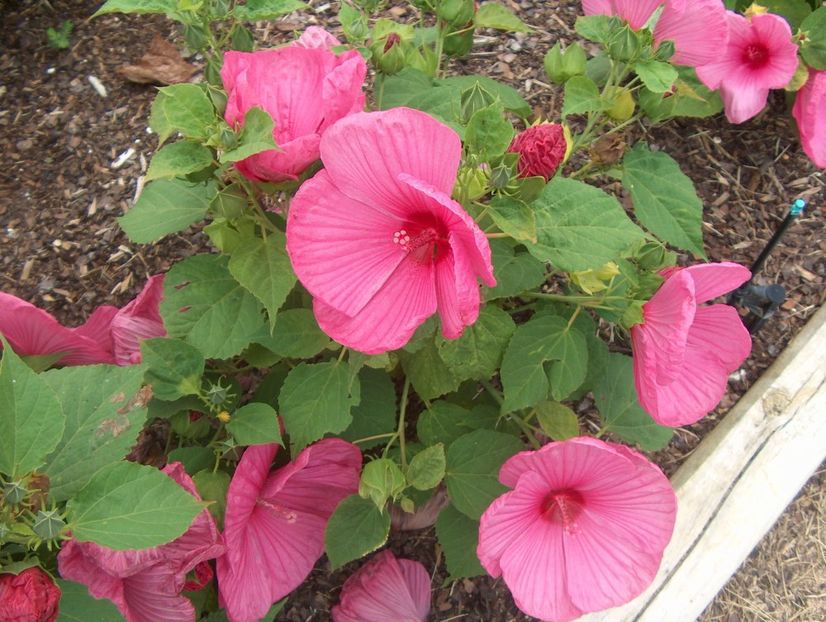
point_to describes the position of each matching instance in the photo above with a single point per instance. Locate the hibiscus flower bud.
(48, 524)
(563, 64)
(542, 149)
(30, 596)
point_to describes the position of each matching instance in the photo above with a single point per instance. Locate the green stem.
(375, 437)
(573, 317)
(494, 393)
(402, 412)
(440, 46)
(528, 430)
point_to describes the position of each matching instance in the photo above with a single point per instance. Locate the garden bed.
(61, 191)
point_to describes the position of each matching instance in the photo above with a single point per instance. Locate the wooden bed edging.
(739, 481)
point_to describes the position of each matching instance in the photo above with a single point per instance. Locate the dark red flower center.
(563, 507)
(426, 242)
(755, 55)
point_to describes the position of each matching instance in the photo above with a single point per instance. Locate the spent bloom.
(384, 589)
(305, 88)
(274, 523)
(376, 238)
(146, 584)
(542, 149)
(684, 352)
(810, 113)
(583, 528)
(760, 56)
(110, 335)
(30, 596)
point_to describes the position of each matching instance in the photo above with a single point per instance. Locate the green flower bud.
(625, 45)
(621, 102)
(475, 99)
(14, 493)
(388, 54)
(48, 525)
(458, 45)
(500, 177)
(563, 64)
(455, 12)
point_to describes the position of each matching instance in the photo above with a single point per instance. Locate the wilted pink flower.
(583, 529)
(376, 238)
(30, 596)
(683, 352)
(316, 37)
(274, 523)
(304, 87)
(385, 589)
(760, 56)
(146, 584)
(635, 12)
(541, 150)
(810, 113)
(110, 335)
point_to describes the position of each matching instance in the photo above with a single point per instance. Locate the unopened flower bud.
(500, 177)
(48, 524)
(28, 596)
(621, 103)
(625, 45)
(541, 148)
(563, 64)
(14, 492)
(475, 99)
(224, 416)
(593, 281)
(455, 12)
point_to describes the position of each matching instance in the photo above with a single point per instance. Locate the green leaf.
(381, 480)
(814, 49)
(581, 96)
(540, 339)
(473, 463)
(315, 400)
(515, 270)
(137, 6)
(166, 206)
(356, 528)
(263, 268)
(664, 199)
(428, 373)
(514, 217)
(459, 536)
(255, 10)
(256, 136)
(184, 108)
(657, 76)
(194, 459)
(296, 335)
(508, 96)
(427, 468)
(557, 420)
(31, 417)
(206, 307)
(400, 88)
(77, 605)
(131, 506)
(178, 159)
(376, 411)
(492, 15)
(690, 98)
(105, 410)
(580, 227)
(255, 424)
(444, 422)
(596, 28)
(173, 368)
(477, 354)
(488, 133)
(621, 413)
(213, 486)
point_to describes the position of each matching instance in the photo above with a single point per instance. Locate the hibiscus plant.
(419, 306)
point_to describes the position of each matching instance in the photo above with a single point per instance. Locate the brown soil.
(61, 248)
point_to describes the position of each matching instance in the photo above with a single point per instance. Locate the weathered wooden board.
(737, 483)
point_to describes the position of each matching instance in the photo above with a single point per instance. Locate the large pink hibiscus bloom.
(385, 589)
(810, 113)
(684, 352)
(583, 529)
(304, 87)
(376, 238)
(760, 56)
(274, 524)
(146, 584)
(110, 335)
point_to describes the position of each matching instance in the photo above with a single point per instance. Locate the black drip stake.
(763, 301)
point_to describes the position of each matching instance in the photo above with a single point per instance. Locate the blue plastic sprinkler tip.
(797, 207)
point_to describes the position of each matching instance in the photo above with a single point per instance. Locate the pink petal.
(316, 37)
(635, 12)
(98, 327)
(810, 113)
(31, 331)
(715, 279)
(341, 92)
(729, 61)
(776, 34)
(645, 370)
(385, 589)
(597, 7)
(364, 154)
(699, 30)
(718, 331)
(140, 319)
(742, 100)
(283, 164)
(341, 249)
(154, 596)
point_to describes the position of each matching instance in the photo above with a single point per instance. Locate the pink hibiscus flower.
(760, 56)
(146, 584)
(304, 87)
(583, 529)
(384, 589)
(274, 524)
(683, 352)
(316, 37)
(810, 113)
(376, 238)
(698, 28)
(110, 335)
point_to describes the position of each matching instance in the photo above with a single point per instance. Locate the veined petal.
(810, 113)
(718, 331)
(597, 7)
(316, 37)
(635, 12)
(776, 34)
(699, 30)
(418, 585)
(645, 370)
(98, 327)
(743, 100)
(341, 249)
(283, 164)
(715, 279)
(154, 596)
(341, 91)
